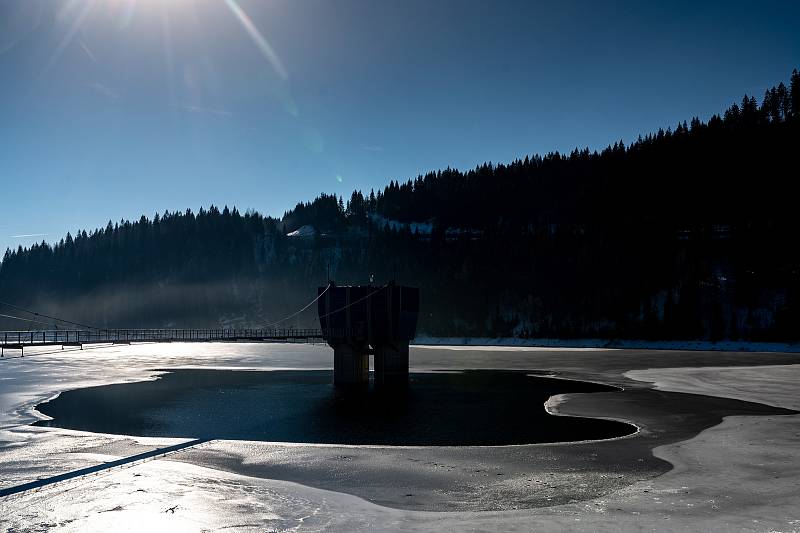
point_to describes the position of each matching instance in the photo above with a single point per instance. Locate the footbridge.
(19, 340)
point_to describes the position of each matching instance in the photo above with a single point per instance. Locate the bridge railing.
(67, 337)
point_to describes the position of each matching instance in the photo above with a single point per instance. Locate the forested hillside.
(685, 233)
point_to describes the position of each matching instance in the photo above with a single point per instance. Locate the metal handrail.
(78, 336)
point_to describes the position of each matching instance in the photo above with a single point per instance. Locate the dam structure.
(362, 320)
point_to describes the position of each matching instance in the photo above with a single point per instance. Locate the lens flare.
(76, 25)
(259, 40)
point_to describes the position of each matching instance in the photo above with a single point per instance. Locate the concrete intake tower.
(359, 320)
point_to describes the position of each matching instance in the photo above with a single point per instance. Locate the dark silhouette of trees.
(685, 233)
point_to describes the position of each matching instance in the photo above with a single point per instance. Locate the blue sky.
(116, 108)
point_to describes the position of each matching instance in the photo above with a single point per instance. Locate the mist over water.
(476, 407)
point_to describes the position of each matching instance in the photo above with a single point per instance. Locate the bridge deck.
(22, 339)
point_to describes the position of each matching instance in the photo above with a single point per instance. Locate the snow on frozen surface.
(173, 496)
(739, 475)
(776, 385)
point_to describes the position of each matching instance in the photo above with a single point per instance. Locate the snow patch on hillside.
(424, 228)
(421, 228)
(303, 231)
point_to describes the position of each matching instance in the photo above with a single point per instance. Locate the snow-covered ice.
(742, 474)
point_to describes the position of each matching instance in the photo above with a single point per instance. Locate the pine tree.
(768, 107)
(783, 101)
(732, 116)
(750, 110)
(794, 94)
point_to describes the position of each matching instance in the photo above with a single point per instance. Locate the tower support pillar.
(350, 364)
(391, 364)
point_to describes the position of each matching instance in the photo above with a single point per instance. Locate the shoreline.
(460, 343)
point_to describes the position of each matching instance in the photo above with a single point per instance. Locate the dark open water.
(476, 407)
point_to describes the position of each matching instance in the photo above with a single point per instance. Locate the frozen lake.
(729, 453)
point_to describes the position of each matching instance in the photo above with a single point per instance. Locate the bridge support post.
(350, 364)
(20, 347)
(391, 364)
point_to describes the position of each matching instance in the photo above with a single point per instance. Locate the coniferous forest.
(686, 233)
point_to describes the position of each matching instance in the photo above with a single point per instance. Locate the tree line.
(685, 233)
